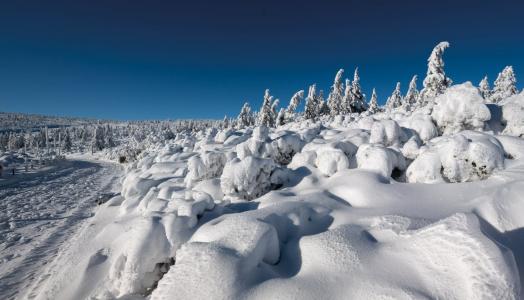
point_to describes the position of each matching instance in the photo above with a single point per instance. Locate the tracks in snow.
(39, 215)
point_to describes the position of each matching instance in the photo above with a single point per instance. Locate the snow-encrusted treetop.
(504, 85)
(312, 107)
(436, 81)
(335, 96)
(412, 96)
(373, 103)
(358, 103)
(484, 89)
(265, 115)
(395, 100)
(295, 101)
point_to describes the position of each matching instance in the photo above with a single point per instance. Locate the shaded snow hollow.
(422, 205)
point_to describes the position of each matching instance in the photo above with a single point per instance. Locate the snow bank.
(460, 107)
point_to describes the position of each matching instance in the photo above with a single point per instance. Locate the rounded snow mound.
(378, 158)
(460, 107)
(422, 125)
(467, 156)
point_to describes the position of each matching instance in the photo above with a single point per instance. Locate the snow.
(513, 115)
(461, 107)
(420, 203)
(39, 214)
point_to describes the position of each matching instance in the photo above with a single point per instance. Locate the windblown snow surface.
(422, 205)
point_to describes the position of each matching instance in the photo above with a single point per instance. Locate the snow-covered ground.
(40, 212)
(420, 200)
(391, 206)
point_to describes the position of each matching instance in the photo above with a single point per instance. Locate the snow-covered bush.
(204, 166)
(513, 115)
(467, 156)
(378, 158)
(286, 146)
(247, 178)
(259, 145)
(461, 107)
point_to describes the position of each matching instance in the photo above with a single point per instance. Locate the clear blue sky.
(203, 59)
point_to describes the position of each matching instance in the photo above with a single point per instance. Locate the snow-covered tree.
(294, 102)
(504, 85)
(436, 81)
(225, 122)
(265, 115)
(358, 101)
(322, 104)
(274, 112)
(346, 100)
(484, 88)
(67, 145)
(335, 96)
(244, 119)
(312, 107)
(395, 100)
(412, 96)
(98, 141)
(373, 103)
(281, 117)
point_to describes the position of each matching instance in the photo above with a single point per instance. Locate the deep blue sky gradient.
(203, 59)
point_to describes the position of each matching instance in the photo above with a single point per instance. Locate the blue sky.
(203, 59)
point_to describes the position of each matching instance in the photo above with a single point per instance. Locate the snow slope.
(38, 215)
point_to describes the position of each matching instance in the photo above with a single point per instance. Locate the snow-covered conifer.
(358, 101)
(281, 117)
(346, 100)
(504, 85)
(265, 114)
(322, 104)
(395, 100)
(436, 81)
(412, 96)
(294, 102)
(373, 103)
(312, 108)
(67, 144)
(244, 118)
(484, 89)
(335, 96)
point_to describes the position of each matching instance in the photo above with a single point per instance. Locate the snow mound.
(460, 107)
(513, 115)
(385, 132)
(422, 125)
(467, 156)
(247, 178)
(378, 158)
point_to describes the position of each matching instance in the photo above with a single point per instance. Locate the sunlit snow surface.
(391, 206)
